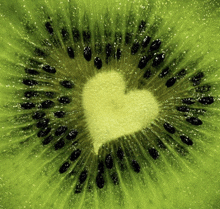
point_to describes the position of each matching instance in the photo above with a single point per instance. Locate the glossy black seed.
(31, 71)
(142, 26)
(70, 52)
(101, 167)
(86, 36)
(47, 140)
(194, 121)
(60, 144)
(49, 69)
(87, 53)
(59, 114)
(98, 62)
(146, 41)
(50, 94)
(29, 94)
(78, 189)
(181, 73)
(160, 144)
(42, 123)
(49, 27)
(76, 35)
(136, 167)
(155, 45)
(67, 84)
(64, 167)
(75, 155)
(203, 89)
(100, 181)
(64, 100)
(39, 52)
(60, 130)
(158, 60)
(118, 54)
(27, 105)
(38, 115)
(128, 37)
(72, 134)
(147, 74)
(183, 109)
(135, 48)
(83, 177)
(108, 50)
(114, 178)
(170, 82)
(206, 100)
(197, 78)
(120, 153)
(45, 131)
(47, 104)
(143, 61)
(164, 72)
(186, 140)
(109, 161)
(188, 101)
(153, 153)
(29, 82)
(169, 128)
(65, 34)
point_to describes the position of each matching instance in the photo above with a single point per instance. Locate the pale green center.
(110, 113)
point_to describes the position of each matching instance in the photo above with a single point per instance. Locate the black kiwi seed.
(65, 34)
(76, 35)
(197, 78)
(47, 104)
(114, 178)
(169, 128)
(86, 36)
(60, 130)
(120, 153)
(206, 100)
(38, 115)
(49, 27)
(109, 161)
(29, 82)
(186, 140)
(153, 153)
(70, 52)
(98, 62)
(164, 72)
(146, 41)
(83, 177)
(59, 114)
(49, 69)
(101, 167)
(108, 50)
(142, 26)
(136, 167)
(31, 71)
(100, 181)
(194, 121)
(155, 45)
(143, 61)
(183, 109)
(64, 167)
(44, 132)
(29, 94)
(188, 101)
(47, 140)
(50, 94)
(87, 53)
(181, 73)
(27, 105)
(75, 154)
(203, 89)
(118, 54)
(170, 82)
(64, 100)
(128, 37)
(72, 134)
(67, 84)
(60, 144)
(147, 74)
(42, 123)
(39, 52)
(134, 48)
(158, 60)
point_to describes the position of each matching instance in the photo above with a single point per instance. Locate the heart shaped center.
(111, 113)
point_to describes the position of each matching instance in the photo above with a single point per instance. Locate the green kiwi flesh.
(50, 51)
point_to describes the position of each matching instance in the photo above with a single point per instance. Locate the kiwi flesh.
(50, 53)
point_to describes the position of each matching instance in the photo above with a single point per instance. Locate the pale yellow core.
(110, 113)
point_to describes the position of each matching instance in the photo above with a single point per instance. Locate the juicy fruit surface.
(51, 49)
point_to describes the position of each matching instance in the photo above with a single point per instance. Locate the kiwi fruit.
(109, 104)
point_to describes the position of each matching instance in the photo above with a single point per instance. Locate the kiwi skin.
(24, 185)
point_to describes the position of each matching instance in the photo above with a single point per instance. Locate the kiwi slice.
(109, 104)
